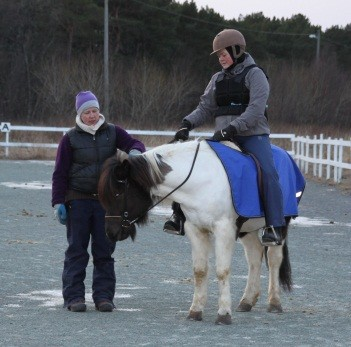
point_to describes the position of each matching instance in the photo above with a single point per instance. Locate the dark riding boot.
(272, 236)
(175, 225)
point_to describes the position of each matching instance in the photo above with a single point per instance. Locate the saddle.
(237, 147)
(244, 176)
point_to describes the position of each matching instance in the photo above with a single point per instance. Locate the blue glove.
(60, 213)
(133, 152)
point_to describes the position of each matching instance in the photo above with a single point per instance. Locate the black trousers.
(85, 222)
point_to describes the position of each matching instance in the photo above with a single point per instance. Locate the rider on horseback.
(236, 97)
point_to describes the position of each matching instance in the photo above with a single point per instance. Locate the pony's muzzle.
(126, 223)
(118, 228)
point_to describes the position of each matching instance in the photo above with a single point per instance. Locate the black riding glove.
(183, 132)
(226, 134)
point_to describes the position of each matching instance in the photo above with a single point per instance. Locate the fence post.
(320, 165)
(307, 153)
(328, 158)
(298, 153)
(315, 155)
(340, 160)
(7, 141)
(335, 163)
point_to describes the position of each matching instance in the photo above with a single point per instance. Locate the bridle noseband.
(125, 222)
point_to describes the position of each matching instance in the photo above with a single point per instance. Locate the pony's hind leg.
(254, 255)
(274, 257)
(279, 272)
(200, 246)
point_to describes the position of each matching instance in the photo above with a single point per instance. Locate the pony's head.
(124, 192)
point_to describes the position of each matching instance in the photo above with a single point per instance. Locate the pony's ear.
(121, 172)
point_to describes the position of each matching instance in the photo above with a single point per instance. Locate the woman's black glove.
(226, 134)
(183, 132)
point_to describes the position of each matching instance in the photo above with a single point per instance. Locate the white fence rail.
(327, 157)
(324, 155)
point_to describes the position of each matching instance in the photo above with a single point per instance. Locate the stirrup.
(271, 236)
(174, 228)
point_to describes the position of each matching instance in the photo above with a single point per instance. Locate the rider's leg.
(260, 147)
(175, 225)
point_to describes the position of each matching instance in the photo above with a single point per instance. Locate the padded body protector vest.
(89, 153)
(232, 95)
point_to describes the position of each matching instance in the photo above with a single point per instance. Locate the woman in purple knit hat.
(80, 155)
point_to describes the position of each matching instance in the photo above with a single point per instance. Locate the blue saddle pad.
(242, 174)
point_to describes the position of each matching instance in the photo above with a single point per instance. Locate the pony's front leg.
(224, 246)
(275, 257)
(254, 254)
(200, 247)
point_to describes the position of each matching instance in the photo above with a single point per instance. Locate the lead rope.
(165, 197)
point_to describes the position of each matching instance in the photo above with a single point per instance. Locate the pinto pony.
(191, 174)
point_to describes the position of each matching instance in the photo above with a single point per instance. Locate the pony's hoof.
(195, 315)
(224, 319)
(275, 308)
(244, 307)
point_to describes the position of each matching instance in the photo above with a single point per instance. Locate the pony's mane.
(148, 170)
(156, 155)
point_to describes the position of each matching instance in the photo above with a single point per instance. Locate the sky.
(324, 13)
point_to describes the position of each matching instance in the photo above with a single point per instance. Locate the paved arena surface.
(154, 279)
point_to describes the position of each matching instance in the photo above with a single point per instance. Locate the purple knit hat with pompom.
(84, 100)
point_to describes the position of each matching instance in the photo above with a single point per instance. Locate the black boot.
(175, 225)
(272, 236)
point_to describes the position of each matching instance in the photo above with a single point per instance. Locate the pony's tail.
(285, 278)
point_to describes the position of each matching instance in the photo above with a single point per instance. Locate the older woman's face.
(90, 116)
(224, 58)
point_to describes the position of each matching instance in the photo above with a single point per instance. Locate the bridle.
(125, 222)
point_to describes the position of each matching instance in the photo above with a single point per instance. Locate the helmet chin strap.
(231, 53)
(234, 51)
(235, 60)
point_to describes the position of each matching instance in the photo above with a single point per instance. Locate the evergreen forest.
(160, 63)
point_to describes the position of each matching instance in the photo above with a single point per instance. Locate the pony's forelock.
(121, 155)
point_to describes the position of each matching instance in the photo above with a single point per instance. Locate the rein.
(125, 223)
